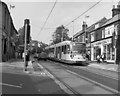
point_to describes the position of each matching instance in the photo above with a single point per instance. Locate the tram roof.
(63, 43)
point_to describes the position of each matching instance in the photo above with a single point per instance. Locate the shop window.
(110, 52)
(104, 50)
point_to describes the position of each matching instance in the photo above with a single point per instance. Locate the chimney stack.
(116, 11)
(84, 26)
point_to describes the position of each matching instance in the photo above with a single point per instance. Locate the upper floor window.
(109, 31)
(96, 26)
(116, 29)
(83, 38)
(92, 36)
(103, 33)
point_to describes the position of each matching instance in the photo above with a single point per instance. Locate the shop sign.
(101, 42)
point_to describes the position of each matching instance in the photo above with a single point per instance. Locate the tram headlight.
(71, 56)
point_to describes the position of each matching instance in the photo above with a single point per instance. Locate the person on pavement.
(103, 57)
(98, 58)
(27, 59)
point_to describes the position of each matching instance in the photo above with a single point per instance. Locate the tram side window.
(62, 48)
(68, 48)
(65, 47)
(58, 49)
(52, 50)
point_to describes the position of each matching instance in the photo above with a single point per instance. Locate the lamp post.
(25, 45)
(73, 31)
(27, 35)
(85, 30)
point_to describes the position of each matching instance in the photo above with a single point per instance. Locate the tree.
(60, 34)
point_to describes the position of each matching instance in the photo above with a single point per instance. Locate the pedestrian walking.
(102, 57)
(98, 58)
(27, 60)
(87, 56)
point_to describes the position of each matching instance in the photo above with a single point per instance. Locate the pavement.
(105, 66)
(33, 81)
(49, 86)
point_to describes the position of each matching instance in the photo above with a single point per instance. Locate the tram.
(68, 52)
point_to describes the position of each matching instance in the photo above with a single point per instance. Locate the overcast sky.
(63, 13)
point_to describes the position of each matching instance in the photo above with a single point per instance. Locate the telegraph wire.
(47, 18)
(84, 12)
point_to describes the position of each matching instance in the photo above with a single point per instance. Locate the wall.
(0, 32)
(118, 46)
(7, 50)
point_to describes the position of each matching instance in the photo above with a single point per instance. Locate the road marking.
(62, 86)
(5, 84)
(40, 66)
(94, 82)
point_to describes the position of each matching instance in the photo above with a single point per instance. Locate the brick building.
(7, 34)
(103, 37)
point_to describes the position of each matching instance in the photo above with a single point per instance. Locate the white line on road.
(62, 86)
(10, 85)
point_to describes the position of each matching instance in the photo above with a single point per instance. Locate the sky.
(64, 12)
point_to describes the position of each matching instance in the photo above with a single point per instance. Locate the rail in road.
(97, 81)
(106, 81)
(109, 81)
(74, 92)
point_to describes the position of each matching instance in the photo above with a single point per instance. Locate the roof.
(112, 20)
(92, 27)
(101, 22)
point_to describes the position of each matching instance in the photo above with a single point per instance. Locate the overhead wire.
(83, 13)
(47, 18)
(70, 21)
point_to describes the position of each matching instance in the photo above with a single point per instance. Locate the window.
(116, 29)
(92, 36)
(64, 49)
(96, 26)
(109, 31)
(103, 33)
(68, 48)
(83, 38)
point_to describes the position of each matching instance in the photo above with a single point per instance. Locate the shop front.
(103, 47)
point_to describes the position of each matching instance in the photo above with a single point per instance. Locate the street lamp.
(73, 31)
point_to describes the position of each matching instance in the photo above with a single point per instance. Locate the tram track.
(98, 73)
(75, 93)
(96, 83)
(94, 72)
(93, 81)
(114, 91)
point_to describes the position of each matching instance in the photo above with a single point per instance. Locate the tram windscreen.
(79, 48)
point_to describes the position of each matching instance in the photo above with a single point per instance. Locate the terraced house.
(7, 34)
(103, 37)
